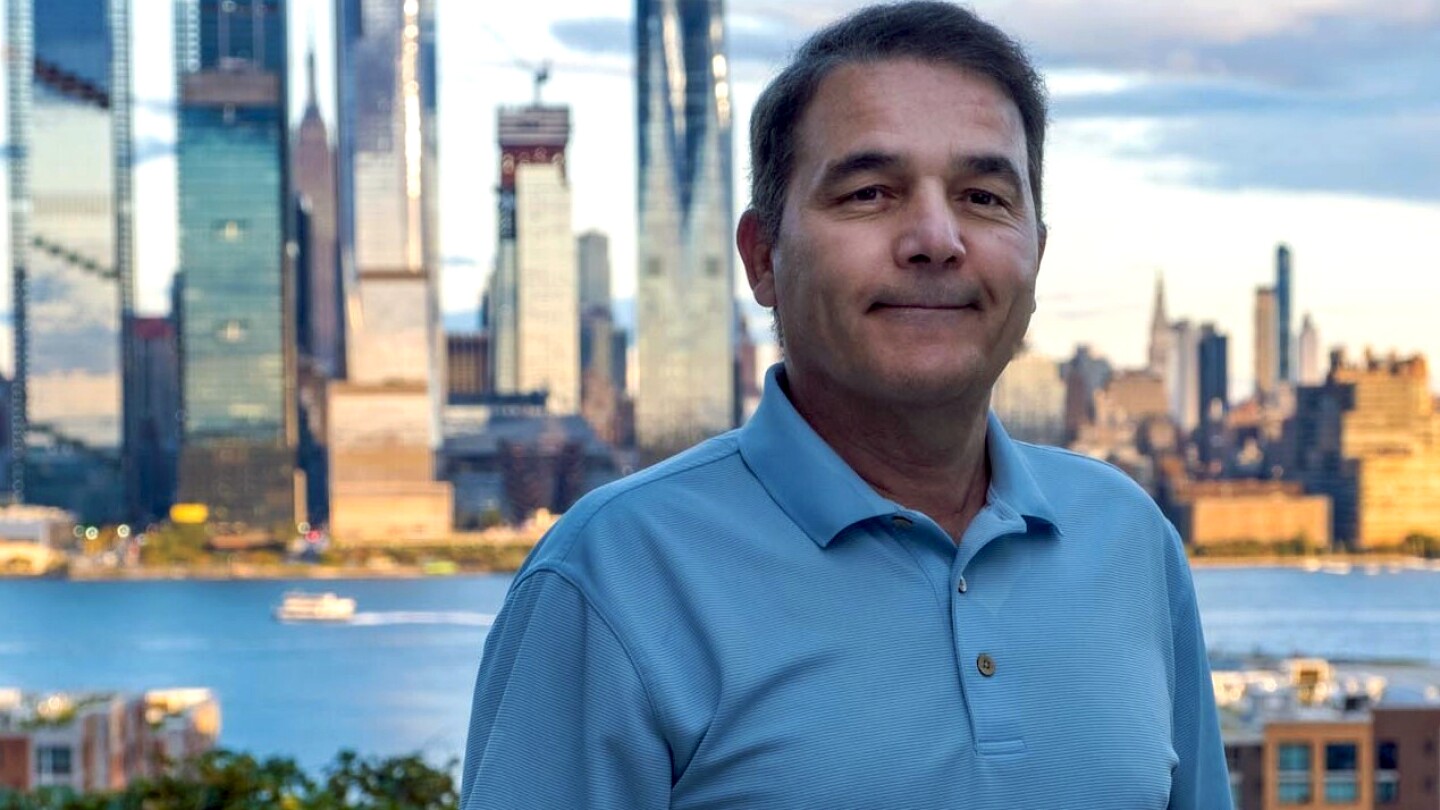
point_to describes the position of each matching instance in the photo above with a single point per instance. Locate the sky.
(1186, 139)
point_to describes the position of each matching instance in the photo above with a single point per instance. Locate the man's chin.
(932, 387)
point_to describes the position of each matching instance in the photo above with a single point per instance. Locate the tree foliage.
(223, 780)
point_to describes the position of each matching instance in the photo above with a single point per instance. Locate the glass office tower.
(384, 419)
(238, 455)
(71, 253)
(685, 296)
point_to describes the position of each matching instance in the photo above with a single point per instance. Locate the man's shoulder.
(621, 512)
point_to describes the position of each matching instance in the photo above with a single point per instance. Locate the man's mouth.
(879, 306)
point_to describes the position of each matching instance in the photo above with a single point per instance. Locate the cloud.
(148, 148)
(1322, 95)
(753, 39)
(596, 35)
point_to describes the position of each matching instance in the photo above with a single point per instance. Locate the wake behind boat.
(298, 606)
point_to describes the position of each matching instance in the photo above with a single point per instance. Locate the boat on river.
(298, 606)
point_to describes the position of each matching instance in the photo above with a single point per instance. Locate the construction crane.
(542, 75)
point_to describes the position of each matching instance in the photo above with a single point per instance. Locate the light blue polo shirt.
(750, 625)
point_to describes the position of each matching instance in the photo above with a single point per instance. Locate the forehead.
(903, 105)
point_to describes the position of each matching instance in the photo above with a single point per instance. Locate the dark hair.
(924, 30)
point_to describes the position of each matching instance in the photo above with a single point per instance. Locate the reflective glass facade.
(71, 252)
(238, 456)
(386, 164)
(384, 422)
(685, 295)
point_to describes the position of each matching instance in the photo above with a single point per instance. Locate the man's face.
(905, 265)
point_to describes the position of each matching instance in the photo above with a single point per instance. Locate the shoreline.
(252, 571)
(237, 572)
(1404, 561)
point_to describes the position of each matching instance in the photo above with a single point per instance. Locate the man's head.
(925, 31)
(895, 222)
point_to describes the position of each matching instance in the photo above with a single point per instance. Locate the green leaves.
(224, 780)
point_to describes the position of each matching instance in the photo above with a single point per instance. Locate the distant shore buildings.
(101, 741)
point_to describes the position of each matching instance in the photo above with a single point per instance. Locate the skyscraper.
(1214, 360)
(1160, 334)
(534, 295)
(1267, 344)
(685, 195)
(1311, 372)
(71, 254)
(319, 294)
(238, 451)
(1285, 350)
(156, 373)
(1182, 375)
(602, 343)
(321, 334)
(1029, 398)
(592, 256)
(384, 420)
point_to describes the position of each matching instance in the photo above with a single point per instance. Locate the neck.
(928, 458)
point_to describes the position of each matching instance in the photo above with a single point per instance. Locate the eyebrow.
(858, 163)
(989, 166)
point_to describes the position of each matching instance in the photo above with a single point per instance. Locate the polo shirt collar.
(1012, 483)
(824, 496)
(805, 476)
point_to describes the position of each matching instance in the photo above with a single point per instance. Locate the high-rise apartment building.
(71, 254)
(384, 419)
(534, 295)
(1267, 344)
(685, 316)
(239, 431)
(1283, 301)
(1369, 437)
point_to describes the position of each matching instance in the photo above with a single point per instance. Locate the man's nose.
(930, 234)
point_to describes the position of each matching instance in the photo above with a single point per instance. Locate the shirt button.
(985, 664)
(902, 522)
(962, 587)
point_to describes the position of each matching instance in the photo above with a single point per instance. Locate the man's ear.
(755, 253)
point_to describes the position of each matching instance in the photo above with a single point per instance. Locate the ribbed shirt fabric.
(750, 625)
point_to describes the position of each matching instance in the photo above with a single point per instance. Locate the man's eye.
(978, 197)
(867, 194)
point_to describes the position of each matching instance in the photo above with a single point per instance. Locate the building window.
(1294, 783)
(52, 760)
(1340, 765)
(1387, 775)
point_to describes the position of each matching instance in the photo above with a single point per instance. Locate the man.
(869, 596)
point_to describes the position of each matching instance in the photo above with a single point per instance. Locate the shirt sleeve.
(561, 718)
(1201, 780)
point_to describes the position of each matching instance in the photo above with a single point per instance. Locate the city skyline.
(1130, 105)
